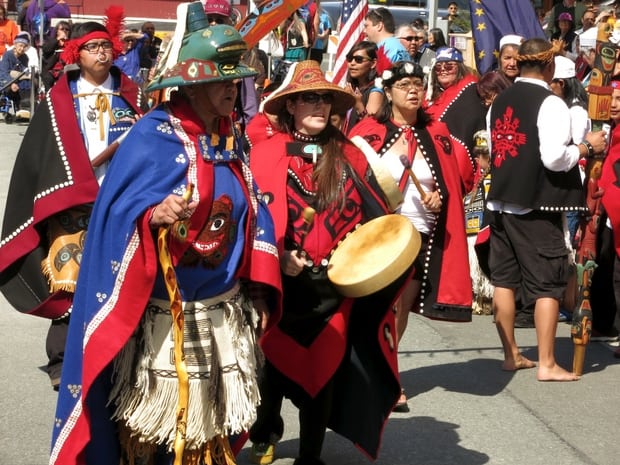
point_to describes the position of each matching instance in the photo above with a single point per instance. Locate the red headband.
(71, 52)
(115, 16)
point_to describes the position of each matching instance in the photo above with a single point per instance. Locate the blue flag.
(493, 19)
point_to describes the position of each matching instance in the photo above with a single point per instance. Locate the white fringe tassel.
(222, 357)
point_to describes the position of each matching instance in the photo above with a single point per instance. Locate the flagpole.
(432, 13)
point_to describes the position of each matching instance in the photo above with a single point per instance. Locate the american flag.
(351, 29)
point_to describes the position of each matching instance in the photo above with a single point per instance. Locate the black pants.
(313, 413)
(603, 298)
(55, 348)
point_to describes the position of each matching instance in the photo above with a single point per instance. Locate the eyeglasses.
(406, 86)
(359, 59)
(418, 38)
(409, 38)
(313, 98)
(93, 47)
(448, 67)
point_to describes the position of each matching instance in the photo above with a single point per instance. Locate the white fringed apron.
(222, 358)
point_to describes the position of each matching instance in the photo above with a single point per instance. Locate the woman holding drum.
(325, 354)
(404, 136)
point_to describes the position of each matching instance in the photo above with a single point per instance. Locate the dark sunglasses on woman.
(357, 59)
(314, 98)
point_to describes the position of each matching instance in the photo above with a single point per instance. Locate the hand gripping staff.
(178, 320)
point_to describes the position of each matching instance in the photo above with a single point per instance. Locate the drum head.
(374, 256)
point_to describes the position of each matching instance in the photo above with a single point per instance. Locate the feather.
(115, 23)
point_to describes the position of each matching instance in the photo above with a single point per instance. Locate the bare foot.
(517, 363)
(555, 373)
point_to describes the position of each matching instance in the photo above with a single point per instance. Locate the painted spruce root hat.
(308, 77)
(207, 54)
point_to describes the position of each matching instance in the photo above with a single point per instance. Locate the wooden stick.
(109, 151)
(308, 215)
(407, 164)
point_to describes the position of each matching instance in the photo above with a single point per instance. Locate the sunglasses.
(409, 38)
(357, 59)
(313, 98)
(447, 67)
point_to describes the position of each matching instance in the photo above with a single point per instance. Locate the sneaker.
(262, 453)
(609, 336)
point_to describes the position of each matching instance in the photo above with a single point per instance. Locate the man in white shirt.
(535, 179)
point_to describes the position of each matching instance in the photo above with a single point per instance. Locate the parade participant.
(490, 85)
(192, 206)
(362, 66)
(567, 36)
(53, 183)
(507, 60)
(530, 137)
(15, 75)
(404, 128)
(296, 37)
(379, 28)
(37, 19)
(128, 60)
(51, 51)
(328, 354)
(603, 319)
(452, 93)
(8, 31)
(566, 86)
(475, 206)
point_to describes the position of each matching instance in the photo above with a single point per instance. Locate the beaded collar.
(304, 137)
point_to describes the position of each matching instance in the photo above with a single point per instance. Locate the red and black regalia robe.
(446, 291)
(228, 238)
(323, 337)
(460, 107)
(52, 173)
(610, 183)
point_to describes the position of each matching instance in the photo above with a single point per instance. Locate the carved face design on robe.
(211, 246)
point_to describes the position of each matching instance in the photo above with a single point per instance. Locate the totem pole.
(599, 103)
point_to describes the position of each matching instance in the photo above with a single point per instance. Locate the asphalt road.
(464, 409)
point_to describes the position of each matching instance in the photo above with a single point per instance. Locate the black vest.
(518, 174)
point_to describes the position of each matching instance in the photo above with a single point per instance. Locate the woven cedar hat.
(308, 77)
(207, 54)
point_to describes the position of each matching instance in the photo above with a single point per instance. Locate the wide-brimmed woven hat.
(308, 77)
(207, 54)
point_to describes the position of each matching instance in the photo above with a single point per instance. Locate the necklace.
(304, 137)
(90, 114)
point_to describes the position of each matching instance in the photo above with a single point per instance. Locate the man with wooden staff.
(535, 179)
(56, 178)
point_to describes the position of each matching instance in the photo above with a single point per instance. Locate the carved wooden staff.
(599, 104)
